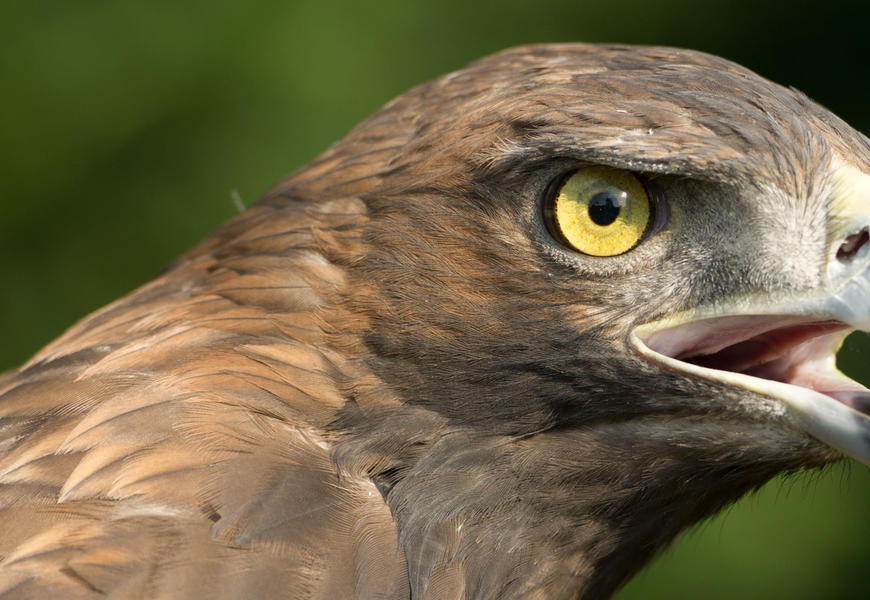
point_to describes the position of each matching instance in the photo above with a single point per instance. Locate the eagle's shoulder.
(174, 441)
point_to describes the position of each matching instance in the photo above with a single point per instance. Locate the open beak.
(784, 347)
(787, 357)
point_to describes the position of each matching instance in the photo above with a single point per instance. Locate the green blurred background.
(129, 130)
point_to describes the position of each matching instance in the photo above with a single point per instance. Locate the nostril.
(850, 246)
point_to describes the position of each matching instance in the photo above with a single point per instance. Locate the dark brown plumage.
(387, 380)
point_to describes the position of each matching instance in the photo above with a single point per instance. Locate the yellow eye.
(600, 211)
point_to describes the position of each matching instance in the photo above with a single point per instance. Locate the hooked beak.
(784, 346)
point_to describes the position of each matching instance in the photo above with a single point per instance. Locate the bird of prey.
(506, 339)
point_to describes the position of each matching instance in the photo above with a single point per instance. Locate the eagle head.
(507, 338)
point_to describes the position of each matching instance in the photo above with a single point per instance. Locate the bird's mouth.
(787, 357)
(783, 344)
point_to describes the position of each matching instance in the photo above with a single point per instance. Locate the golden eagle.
(507, 339)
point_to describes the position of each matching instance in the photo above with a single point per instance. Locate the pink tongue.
(811, 365)
(794, 350)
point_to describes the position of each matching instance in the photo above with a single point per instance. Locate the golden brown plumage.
(384, 380)
(161, 434)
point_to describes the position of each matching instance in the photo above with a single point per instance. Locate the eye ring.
(602, 211)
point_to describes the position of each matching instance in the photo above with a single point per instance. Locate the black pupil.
(604, 208)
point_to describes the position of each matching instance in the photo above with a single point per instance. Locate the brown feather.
(374, 382)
